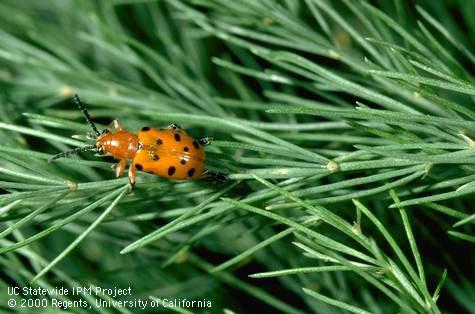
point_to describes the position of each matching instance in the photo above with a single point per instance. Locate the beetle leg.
(132, 174)
(116, 125)
(204, 140)
(174, 126)
(119, 167)
(214, 176)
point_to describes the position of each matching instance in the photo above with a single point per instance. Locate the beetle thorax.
(121, 144)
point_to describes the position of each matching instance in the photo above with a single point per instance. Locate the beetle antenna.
(74, 151)
(86, 114)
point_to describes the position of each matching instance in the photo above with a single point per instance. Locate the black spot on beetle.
(196, 145)
(186, 149)
(145, 129)
(191, 172)
(171, 171)
(177, 137)
(155, 157)
(183, 161)
(138, 167)
(159, 141)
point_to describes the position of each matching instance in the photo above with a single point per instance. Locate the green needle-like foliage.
(346, 130)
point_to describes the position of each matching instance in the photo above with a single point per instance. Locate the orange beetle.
(170, 153)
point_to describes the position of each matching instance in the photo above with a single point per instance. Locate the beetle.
(170, 153)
